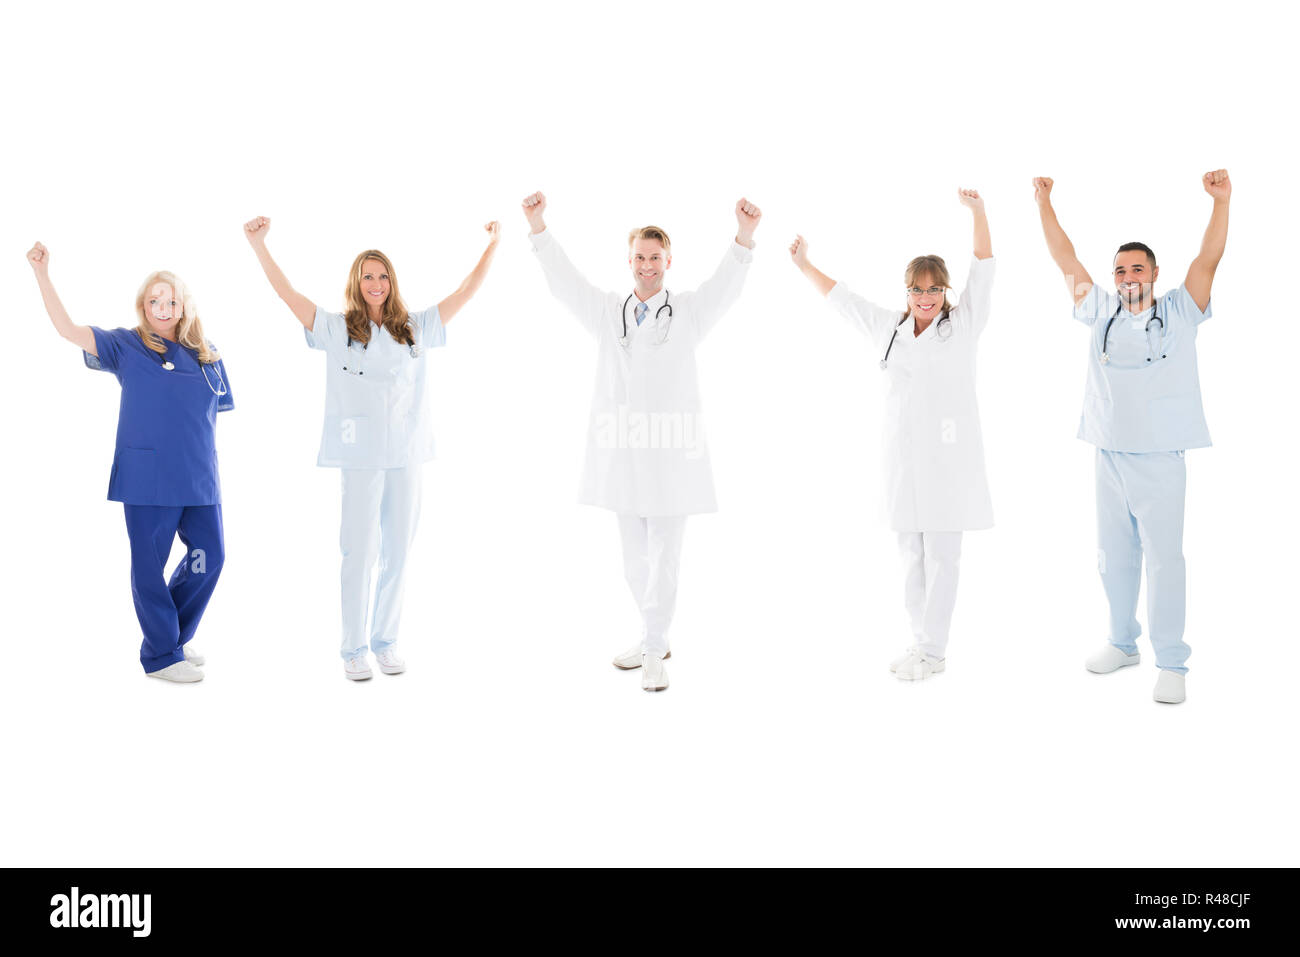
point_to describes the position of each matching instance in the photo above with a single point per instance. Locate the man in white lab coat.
(646, 456)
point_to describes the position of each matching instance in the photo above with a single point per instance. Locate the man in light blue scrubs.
(1142, 410)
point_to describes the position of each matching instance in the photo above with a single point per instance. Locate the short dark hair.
(1135, 247)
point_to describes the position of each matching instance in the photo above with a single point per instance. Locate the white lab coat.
(933, 451)
(646, 454)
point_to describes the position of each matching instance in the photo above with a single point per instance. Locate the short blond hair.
(650, 232)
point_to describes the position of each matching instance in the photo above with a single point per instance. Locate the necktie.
(641, 308)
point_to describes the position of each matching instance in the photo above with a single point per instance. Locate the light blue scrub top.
(1138, 401)
(376, 414)
(166, 424)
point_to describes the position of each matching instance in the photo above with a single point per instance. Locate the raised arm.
(711, 299)
(983, 246)
(799, 253)
(579, 296)
(465, 291)
(868, 318)
(79, 336)
(1200, 276)
(1058, 244)
(304, 310)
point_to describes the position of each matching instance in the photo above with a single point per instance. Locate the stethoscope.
(169, 366)
(1105, 336)
(663, 338)
(414, 349)
(942, 329)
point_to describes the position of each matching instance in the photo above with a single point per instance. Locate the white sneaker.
(357, 669)
(631, 659)
(653, 675)
(1171, 687)
(193, 657)
(916, 666)
(180, 671)
(1110, 659)
(389, 663)
(902, 659)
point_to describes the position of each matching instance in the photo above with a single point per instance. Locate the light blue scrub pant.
(380, 510)
(1140, 498)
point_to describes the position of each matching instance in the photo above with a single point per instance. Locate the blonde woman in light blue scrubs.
(376, 429)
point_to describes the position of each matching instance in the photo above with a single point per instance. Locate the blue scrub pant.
(1140, 499)
(380, 510)
(169, 612)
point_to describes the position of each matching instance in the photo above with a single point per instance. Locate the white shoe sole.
(176, 681)
(637, 665)
(662, 687)
(392, 671)
(358, 675)
(910, 676)
(1132, 660)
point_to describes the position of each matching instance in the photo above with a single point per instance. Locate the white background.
(141, 136)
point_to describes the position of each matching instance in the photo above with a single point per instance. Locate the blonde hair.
(650, 232)
(189, 330)
(395, 317)
(936, 269)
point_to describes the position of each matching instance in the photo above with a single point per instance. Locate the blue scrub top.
(166, 446)
(1147, 398)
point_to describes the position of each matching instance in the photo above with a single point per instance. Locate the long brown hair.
(936, 269)
(189, 330)
(395, 317)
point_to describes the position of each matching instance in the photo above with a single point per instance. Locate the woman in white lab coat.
(376, 429)
(646, 456)
(934, 478)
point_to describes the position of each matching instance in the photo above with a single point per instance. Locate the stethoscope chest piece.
(169, 365)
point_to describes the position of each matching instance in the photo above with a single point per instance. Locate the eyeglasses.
(918, 291)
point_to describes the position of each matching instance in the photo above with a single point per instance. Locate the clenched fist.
(799, 251)
(39, 257)
(1216, 183)
(256, 229)
(534, 206)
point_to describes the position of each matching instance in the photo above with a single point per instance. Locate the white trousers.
(380, 510)
(652, 551)
(1140, 500)
(930, 566)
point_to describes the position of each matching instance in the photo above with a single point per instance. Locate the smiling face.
(375, 284)
(925, 297)
(649, 261)
(162, 310)
(1135, 278)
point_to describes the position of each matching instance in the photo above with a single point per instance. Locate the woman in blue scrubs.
(376, 430)
(165, 465)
